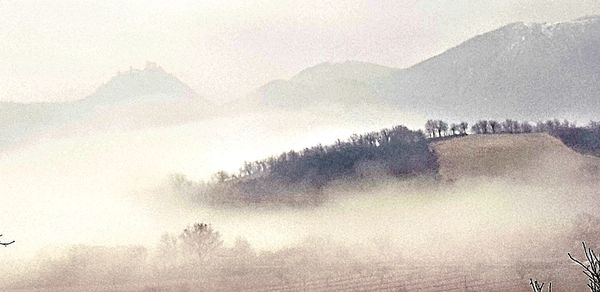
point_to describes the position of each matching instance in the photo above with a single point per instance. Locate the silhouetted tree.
(430, 128)
(494, 126)
(568, 124)
(516, 127)
(463, 126)
(552, 125)
(481, 127)
(526, 127)
(540, 127)
(508, 126)
(454, 128)
(442, 127)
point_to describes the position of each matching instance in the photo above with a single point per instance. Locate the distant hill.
(523, 70)
(348, 71)
(152, 83)
(130, 99)
(343, 84)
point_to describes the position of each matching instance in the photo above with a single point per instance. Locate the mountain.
(522, 70)
(149, 84)
(135, 98)
(526, 71)
(347, 83)
(348, 71)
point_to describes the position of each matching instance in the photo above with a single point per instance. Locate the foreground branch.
(537, 287)
(6, 243)
(591, 268)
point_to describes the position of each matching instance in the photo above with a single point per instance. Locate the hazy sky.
(62, 50)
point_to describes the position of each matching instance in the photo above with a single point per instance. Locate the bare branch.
(592, 269)
(6, 243)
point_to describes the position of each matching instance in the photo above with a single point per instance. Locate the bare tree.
(463, 127)
(481, 127)
(454, 128)
(384, 136)
(494, 126)
(552, 125)
(441, 127)
(200, 240)
(526, 127)
(508, 126)
(221, 176)
(430, 128)
(516, 127)
(540, 127)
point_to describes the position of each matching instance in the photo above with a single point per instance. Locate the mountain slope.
(530, 71)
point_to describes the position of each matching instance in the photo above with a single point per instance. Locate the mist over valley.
(474, 169)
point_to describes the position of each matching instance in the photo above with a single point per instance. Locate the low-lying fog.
(111, 188)
(101, 188)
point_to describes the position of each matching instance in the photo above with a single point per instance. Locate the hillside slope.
(523, 157)
(527, 70)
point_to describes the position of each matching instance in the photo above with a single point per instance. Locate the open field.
(383, 276)
(522, 156)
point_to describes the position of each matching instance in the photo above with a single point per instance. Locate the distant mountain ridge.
(528, 71)
(524, 70)
(349, 71)
(347, 83)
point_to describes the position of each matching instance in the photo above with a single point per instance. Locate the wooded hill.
(299, 177)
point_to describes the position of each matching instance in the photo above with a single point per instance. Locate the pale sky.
(56, 50)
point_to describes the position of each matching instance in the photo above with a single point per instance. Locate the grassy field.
(522, 156)
(375, 277)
